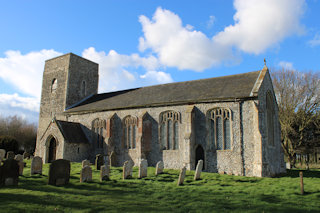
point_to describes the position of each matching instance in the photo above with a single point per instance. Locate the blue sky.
(139, 43)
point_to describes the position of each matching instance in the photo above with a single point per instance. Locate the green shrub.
(8, 143)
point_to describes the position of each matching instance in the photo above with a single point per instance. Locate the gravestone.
(86, 163)
(197, 174)
(10, 155)
(19, 158)
(288, 166)
(182, 176)
(106, 160)
(26, 155)
(36, 165)
(159, 167)
(112, 158)
(86, 174)
(104, 172)
(59, 172)
(127, 169)
(2, 154)
(21, 166)
(9, 172)
(143, 168)
(99, 161)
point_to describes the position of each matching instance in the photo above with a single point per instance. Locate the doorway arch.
(200, 156)
(52, 150)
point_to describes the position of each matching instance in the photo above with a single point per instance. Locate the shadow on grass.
(293, 173)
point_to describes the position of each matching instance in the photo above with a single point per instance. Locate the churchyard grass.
(213, 193)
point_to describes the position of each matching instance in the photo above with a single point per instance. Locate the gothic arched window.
(270, 118)
(220, 128)
(130, 128)
(54, 85)
(97, 128)
(169, 129)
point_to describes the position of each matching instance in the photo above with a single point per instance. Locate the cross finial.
(265, 62)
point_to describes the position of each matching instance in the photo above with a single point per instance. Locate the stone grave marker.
(10, 155)
(197, 174)
(36, 165)
(182, 176)
(99, 161)
(104, 172)
(26, 155)
(9, 174)
(59, 172)
(2, 154)
(19, 157)
(143, 168)
(86, 163)
(86, 174)
(127, 169)
(21, 166)
(159, 167)
(106, 160)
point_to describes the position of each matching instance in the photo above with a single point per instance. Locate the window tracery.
(98, 126)
(169, 130)
(130, 128)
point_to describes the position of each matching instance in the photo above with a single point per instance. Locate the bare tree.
(298, 95)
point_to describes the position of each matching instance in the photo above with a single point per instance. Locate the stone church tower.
(67, 80)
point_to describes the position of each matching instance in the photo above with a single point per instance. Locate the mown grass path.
(214, 193)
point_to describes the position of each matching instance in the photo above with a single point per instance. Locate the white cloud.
(315, 41)
(286, 65)
(259, 24)
(211, 21)
(178, 46)
(114, 70)
(24, 72)
(25, 107)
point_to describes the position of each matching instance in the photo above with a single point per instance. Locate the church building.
(229, 122)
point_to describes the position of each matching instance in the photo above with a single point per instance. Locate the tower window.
(54, 85)
(83, 89)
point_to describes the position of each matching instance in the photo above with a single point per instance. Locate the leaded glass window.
(98, 126)
(220, 128)
(169, 130)
(130, 124)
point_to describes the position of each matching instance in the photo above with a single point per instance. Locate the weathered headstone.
(85, 163)
(159, 167)
(2, 154)
(99, 161)
(10, 155)
(9, 174)
(197, 174)
(288, 166)
(19, 158)
(182, 176)
(26, 155)
(143, 168)
(106, 160)
(21, 166)
(127, 169)
(104, 172)
(36, 165)
(59, 172)
(86, 174)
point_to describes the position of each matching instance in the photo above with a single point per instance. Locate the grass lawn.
(214, 193)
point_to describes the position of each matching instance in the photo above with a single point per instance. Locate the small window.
(220, 127)
(54, 85)
(130, 128)
(83, 89)
(169, 130)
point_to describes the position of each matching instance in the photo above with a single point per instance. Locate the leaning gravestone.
(143, 168)
(127, 169)
(159, 167)
(182, 176)
(10, 155)
(86, 174)
(9, 174)
(59, 172)
(197, 174)
(2, 154)
(86, 163)
(104, 172)
(36, 165)
(99, 161)
(19, 158)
